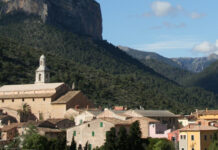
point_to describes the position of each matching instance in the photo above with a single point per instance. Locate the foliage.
(214, 145)
(111, 139)
(24, 112)
(164, 145)
(135, 141)
(122, 139)
(100, 70)
(73, 144)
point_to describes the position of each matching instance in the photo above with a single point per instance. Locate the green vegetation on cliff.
(105, 74)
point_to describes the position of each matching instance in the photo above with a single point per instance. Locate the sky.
(172, 28)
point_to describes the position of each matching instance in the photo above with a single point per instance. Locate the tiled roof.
(95, 112)
(117, 121)
(196, 127)
(143, 118)
(55, 121)
(66, 97)
(155, 113)
(50, 130)
(29, 87)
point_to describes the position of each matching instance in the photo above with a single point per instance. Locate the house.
(158, 130)
(8, 132)
(46, 100)
(186, 120)
(196, 137)
(94, 132)
(144, 123)
(62, 123)
(107, 113)
(51, 133)
(206, 114)
(86, 116)
(164, 116)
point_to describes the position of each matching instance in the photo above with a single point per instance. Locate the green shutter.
(101, 124)
(90, 146)
(74, 133)
(93, 133)
(81, 121)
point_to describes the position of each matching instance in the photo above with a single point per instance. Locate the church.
(46, 100)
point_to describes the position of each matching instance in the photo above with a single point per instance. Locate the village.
(58, 110)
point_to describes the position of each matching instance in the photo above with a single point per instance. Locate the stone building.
(86, 116)
(94, 132)
(46, 100)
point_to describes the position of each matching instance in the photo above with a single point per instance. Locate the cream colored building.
(86, 116)
(46, 100)
(94, 132)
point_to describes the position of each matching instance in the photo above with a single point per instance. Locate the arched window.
(40, 76)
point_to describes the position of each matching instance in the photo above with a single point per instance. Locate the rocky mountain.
(78, 16)
(160, 64)
(196, 64)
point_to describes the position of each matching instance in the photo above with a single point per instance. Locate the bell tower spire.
(42, 73)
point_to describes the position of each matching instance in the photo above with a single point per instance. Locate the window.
(211, 137)
(88, 125)
(12, 100)
(23, 99)
(193, 149)
(40, 76)
(182, 149)
(74, 133)
(192, 137)
(3, 101)
(181, 137)
(184, 136)
(93, 133)
(205, 137)
(33, 99)
(43, 99)
(101, 124)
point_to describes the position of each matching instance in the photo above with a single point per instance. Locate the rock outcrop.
(80, 16)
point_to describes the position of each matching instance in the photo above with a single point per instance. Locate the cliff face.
(80, 16)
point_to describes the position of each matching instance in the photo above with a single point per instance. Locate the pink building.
(158, 131)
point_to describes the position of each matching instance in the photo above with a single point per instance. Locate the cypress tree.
(73, 144)
(111, 139)
(135, 141)
(122, 139)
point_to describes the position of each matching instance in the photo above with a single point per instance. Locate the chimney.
(76, 107)
(73, 86)
(196, 113)
(206, 109)
(87, 107)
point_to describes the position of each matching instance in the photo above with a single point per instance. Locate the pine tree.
(111, 139)
(73, 144)
(122, 139)
(135, 141)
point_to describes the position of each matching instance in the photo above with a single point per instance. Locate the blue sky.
(172, 28)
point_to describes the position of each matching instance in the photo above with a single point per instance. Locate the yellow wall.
(196, 143)
(209, 117)
(58, 110)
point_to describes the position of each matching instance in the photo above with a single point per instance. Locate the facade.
(158, 130)
(196, 137)
(94, 132)
(206, 114)
(46, 100)
(164, 116)
(144, 125)
(86, 116)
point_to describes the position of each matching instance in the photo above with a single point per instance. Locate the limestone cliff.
(80, 16)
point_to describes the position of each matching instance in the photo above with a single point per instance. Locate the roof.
(196, 127)
(144, 118)
(55, 121)
(155, 113)
(94, 112)
(117, 121)
(30, 87)
(66, 97)
(27, 96)
(50, 130)
(209, 112)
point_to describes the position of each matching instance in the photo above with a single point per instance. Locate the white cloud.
(168, 25)
(195, 15)
(161, 8)
(164, 8)
(207, 47)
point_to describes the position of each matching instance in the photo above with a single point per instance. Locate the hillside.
(105, 74)
(208, 79)
(160, 64)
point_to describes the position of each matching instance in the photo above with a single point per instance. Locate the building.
(47, 100)
(62, 123)
(94, 132)
(86, 116)
(164, 116)
(196, 137)
(158, 130)
(6, 120)
(205, 114)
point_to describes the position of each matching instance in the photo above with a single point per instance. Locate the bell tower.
(42, 73)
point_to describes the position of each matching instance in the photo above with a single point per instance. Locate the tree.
(213, 145)
(164, 145)
(24, 112)
(32, 140)
(135, 141)
(111, 139)
(73, 144)
(122, 139)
